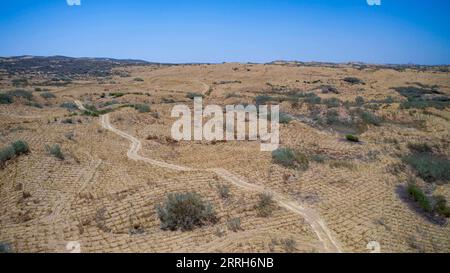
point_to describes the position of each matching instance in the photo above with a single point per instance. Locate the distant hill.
(64, 66)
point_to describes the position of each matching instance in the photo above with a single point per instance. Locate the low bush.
(138, 79)
(284, 118)
(5, 248)
(34, 104)
(224, 191)
(342, 164)
(352, 138)
(20, 82)
(6, 154)
(263, 99)
(359, 101)
(420, 197)
(370, 118)
(69, 135)
(326, 89)
(117, 94)
(234, 224)
(69, 106)
(56, 151)
(332, 117)
(92, 111)
(319, 158)
(192, 95)
(421, 97)
(68, 121)
(290, 158)
(48, 95)
(19, 93)
(420, 148)
(312, 98)
(430, 168)
(6, 99)
(167, 100)
(332, 102)
(15, 149)
(142, 108)
(441, 207)
(20, 147)
(185, 211)
(353, 80)
(289, 245)
(265, 205)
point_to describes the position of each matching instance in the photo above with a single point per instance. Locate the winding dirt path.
(330, 244)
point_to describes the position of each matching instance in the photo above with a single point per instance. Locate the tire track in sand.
(330, 244)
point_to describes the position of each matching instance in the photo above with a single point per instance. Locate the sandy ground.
(120, 165)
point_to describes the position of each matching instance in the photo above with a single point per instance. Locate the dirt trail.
(330, 244)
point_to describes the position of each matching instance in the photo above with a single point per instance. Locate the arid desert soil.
(119, 164)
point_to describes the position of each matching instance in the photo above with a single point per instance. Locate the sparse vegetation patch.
(15, 149)
(56, 151)
(290, 158)
(265, 205)
(185, 211)
(6, 99)
(353, 80)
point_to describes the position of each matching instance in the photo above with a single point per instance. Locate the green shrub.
(332, 102)
(420, 148)
(138, 79)
(441, 206)
(192, 96)
(418, 97)
(290, 158)
(68, 121)
(265, 205)
(48, 95)
(352, 138)
(289, 245)
(55, 150)
(6, 99)
(284, 118)
(342, 164)
(326, 89)
(224, 191)
(5, 248)
(234, 224)
(6, 154)
(429, 167)
(312, 98)
(419, 196)
(69, 106)
(389, 100)
(359, 101)
(20, 82)
(332, 117)
(370, 118)
(21, 94)
(263, 99)
(20, 147)
(353, 80)
(142, 108)
(319, 158)
(185, 211)
(34, 104)
(168, 100)
(90, 113)
(117, 94)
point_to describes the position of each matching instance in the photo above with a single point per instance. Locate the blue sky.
(398, 31)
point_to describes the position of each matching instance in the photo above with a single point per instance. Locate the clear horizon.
(397, 32)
